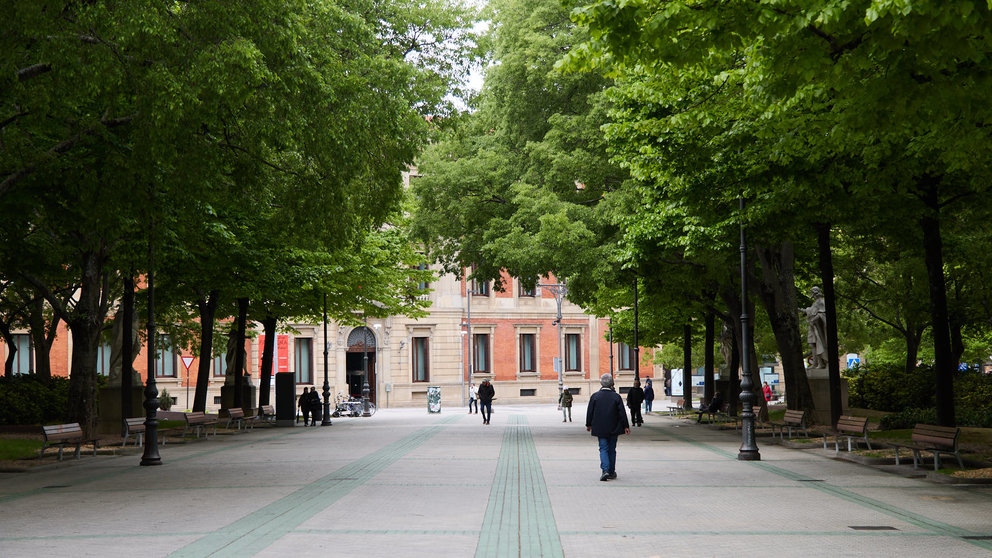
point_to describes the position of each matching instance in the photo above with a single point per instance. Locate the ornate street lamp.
(559, 291)
(150, 455)
(637, 347)
(366, 412)
(327, 385)
(749, 449)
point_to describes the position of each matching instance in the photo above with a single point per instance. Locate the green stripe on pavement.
(932, 525)
(252, 533)
(519, 520)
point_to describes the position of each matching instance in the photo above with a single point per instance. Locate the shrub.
(887, 387)
(908, 418)
(28, 399)
(165, 400)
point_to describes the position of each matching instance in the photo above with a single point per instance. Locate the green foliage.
(888, 387)
(164, 400)
(27, 399)
(908, 418)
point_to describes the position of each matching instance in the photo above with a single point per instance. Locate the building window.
(526, 291)
(527, 353)
(573, 352)
(481, 349)
(479, 288)
(103, 359)
(23, 358)
(528, 392)
(421, 359)
(423, 286)
(303, 347)
(220, 365)
(627, 357)
(165, 364)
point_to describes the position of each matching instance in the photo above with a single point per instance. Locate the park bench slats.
(200, 421)
(62, 434)
(240, 420)
(677, 409)
(935, 439)
(851, 428)
(792, 419)
(267, 414)
(136, 427)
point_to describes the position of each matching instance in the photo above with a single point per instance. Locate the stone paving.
(406, 483)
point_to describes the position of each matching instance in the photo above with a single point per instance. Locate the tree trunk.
(708, 387)
(85, 326)
(208, 313)
(265, 374)
(944, 361)
(127, 346)
(239, 353)
(8, 339)
(914, 339)
(42, 348)
(829, 301)
(733, 303)
(777, 290)
(687, 366)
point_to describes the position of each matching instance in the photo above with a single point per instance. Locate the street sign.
(187, 361)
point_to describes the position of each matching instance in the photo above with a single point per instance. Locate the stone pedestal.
(819, 385)
(249, 395)
(111, 421)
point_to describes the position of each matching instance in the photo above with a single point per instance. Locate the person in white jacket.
(473, 398)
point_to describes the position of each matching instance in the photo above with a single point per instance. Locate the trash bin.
(433, 399)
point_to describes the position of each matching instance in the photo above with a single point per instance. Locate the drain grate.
(58, 486)
(978, 538)
(872, 528)
(660, 440)
(811, 480)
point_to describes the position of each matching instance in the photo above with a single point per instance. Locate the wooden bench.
(199, 421)
(240, 420)
(739, 419)
(723, 413)
(792, 419)
(849, 427)
(136, 427)
(267, 414)
(677, 409)
(936, 440)
(62, 434)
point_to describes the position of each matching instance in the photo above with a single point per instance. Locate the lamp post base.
(748, 455)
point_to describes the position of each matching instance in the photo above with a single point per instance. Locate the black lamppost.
(559, 290)
(327, 385)
(150, 455)
(637, 347)
(366, 412)
(611, 345)
(749, 450)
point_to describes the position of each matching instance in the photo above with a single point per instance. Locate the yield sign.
(187, 360)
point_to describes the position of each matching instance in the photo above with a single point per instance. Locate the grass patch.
(17, 448)
(163, 424)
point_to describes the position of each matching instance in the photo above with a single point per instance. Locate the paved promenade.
(405, 483)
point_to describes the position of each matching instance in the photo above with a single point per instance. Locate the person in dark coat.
(648, 395)
(634, 399)
(606, 419)
(304, 404)
(486, 395)
(316, 412)
(713, 407)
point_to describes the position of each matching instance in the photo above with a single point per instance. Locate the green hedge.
(28, 399)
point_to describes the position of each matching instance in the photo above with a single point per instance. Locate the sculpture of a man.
(816, 334)
(229, 358)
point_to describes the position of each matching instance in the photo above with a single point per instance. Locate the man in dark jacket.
(648, 395)
(486, 394)
(634, 399)
(606, 419)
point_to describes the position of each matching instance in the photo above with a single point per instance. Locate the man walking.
(634, 399)
(473, 396)
(486, 394)
(607, 419)
(565, 403)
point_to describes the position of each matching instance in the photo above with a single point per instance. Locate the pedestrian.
(473, 398)
(565, 403)
(668, 386)
(315, 407)
(304, 405)
(767, 390)
(606, 419)
(714, 407)
(648, 395)
(635, 396)
(486, 394)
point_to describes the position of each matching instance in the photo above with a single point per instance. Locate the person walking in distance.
(648, 395)
(304, 405)
(486, 394)
(634, 399)
(473, 398)
(607, 420)
(565, 402)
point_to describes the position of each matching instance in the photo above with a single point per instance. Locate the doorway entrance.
(361, 344)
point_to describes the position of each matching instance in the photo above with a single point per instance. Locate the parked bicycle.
(347, 406)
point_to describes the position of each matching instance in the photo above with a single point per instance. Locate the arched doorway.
(361, 346)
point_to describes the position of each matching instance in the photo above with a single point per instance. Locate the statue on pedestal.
(726, 348)
(231, 359)
(816, 334)
(116, 350)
